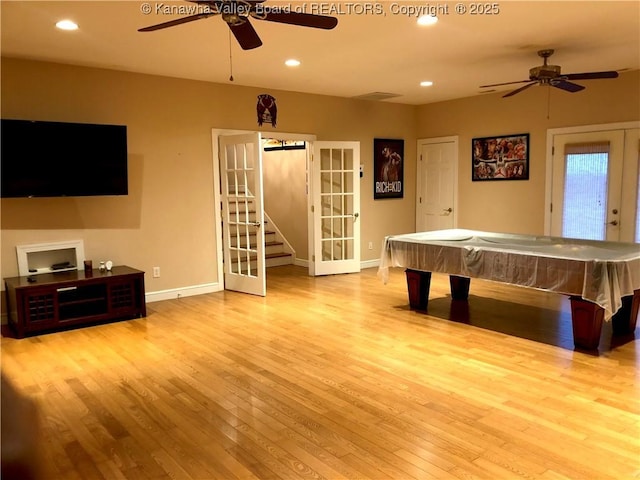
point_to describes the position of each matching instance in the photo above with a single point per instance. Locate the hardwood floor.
(334, 377)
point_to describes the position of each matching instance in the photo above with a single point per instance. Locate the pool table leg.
(418, 285)
(587, 320)
(624, 320)
(459, 287)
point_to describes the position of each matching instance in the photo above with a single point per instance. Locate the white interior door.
(587, 185)
(242, 213)
(335, 208)
(437, 180)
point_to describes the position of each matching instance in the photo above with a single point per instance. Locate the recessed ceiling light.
(292, 62)
(67, 25)
(426, 83)
(427, 20)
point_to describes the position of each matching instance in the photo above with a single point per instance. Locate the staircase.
(277, 249)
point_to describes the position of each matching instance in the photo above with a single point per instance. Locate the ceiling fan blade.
(518, 90)
(500, 84)
(568, 86)
(591, 75)
(246, 35)
(302, 19)
(178, 21)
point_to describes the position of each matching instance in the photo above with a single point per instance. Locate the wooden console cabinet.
(58, 300)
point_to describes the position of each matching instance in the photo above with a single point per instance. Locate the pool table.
(601, 278)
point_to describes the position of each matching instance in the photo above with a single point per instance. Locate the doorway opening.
(328, 202)
(238, 159)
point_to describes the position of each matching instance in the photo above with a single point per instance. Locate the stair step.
(274, 253)
(253, 234)
(277, 255)
(267, 256)
(253, 245)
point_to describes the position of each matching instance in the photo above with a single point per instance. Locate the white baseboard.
(366, 264)
(183, 292)
(218, 287)
(301, 262)
(277, 261)
(370, 263)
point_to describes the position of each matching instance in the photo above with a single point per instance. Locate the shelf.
(81, 302)
(36, 259)
(39, 271)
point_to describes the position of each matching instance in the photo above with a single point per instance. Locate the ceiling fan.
(550, 75)
(237, 13)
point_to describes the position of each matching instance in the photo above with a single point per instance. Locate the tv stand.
(72, 298)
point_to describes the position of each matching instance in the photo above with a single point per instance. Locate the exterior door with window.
(242, 213)
(335, 208)
(437, 177)
(587, 185)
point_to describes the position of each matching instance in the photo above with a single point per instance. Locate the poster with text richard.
(388, 168)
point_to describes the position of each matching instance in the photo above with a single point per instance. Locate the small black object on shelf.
(61, 265)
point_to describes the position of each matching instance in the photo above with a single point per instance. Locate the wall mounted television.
(59, 159)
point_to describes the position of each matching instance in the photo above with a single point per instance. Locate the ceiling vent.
(376, 96)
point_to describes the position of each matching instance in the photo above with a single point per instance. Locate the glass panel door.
(587, 185)
(336, 203)
(585, 191)
(242, 213)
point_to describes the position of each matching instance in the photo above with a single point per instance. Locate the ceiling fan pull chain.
(548, 100)
(230, 59)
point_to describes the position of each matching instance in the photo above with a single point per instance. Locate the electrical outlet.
(370, 245)
(156, 272)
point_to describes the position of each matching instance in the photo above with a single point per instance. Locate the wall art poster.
(500, 158)
(267, 109)
(388, 168)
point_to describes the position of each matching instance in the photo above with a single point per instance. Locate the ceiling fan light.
(292, 62)
(427, 20)
(426, 83)
(67, 24)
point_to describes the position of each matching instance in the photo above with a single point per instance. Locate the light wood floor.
(334, 377)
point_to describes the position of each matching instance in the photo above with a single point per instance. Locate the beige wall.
(285, 196)
(167, 220)
(518, 206)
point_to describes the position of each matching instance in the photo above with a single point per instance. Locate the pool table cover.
(598, 271)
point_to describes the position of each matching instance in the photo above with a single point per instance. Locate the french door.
(587, 185)
(335, 208)
(242, 213)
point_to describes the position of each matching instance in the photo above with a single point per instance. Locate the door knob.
(613, 222)
(448, 210)
(614, 211)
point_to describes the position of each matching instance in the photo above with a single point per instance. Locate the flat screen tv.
(58, 159)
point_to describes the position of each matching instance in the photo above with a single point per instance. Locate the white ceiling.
(385, 52)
